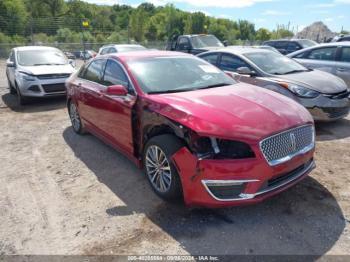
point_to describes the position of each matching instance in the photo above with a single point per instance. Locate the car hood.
(48, 69)
(319, 81)
(239, 111)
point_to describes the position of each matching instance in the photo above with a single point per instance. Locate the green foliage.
(263, 34)
(61, 21)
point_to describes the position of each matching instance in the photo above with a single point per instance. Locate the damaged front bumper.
(328, 107)
(221, 183)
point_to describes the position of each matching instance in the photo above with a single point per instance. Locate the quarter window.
(232, 63)
(211, 58)
(327, 53)
(184, 44)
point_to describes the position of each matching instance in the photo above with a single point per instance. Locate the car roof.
(25, 48)
(239, 50)
(120, 45)
(136, 55)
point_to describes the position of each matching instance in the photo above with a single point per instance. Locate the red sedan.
(196, 132)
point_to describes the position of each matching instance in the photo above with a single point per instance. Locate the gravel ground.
(61, 193)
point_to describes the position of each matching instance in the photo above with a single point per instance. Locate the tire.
(22, 100)
(164, 179)
(12, 89)
(75, 119)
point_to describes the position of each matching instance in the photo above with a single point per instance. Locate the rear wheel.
(158, 166)
(75, 119)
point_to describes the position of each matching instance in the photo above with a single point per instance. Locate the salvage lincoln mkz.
(194, 130)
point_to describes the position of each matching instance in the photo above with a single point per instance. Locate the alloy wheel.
(74, 117)
(158, 168)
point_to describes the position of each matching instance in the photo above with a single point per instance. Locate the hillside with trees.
(59, 21)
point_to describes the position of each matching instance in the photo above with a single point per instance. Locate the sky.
(264, 13)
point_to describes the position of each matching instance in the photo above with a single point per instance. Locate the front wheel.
(158, 166)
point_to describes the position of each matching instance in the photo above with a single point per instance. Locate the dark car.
(194, 44)
(288, 46)
(323, 94)
(197, 133)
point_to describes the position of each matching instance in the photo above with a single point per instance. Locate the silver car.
(333, 58)
(37, 71)
(324, 95)
(113, 48)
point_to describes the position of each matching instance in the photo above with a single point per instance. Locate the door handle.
(341, 69)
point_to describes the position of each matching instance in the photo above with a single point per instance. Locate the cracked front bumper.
(249, 181)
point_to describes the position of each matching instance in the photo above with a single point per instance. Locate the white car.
(37, 71)
(112, 48)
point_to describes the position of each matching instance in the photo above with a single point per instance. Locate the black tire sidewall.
(81, 129)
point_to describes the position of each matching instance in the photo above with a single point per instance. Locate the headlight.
(27, 77)
(215, 148)
(303, 91)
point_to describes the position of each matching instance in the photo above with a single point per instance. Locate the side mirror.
(245, 71)
(117, 90)
(230, 74)
(225, 42)
(10, 64)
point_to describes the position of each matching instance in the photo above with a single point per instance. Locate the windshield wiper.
(214, 85)
(295, 71)
(46, 64)
(171, 91)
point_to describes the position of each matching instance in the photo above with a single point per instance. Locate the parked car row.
(227, 127)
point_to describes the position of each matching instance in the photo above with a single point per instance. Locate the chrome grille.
(284, 146)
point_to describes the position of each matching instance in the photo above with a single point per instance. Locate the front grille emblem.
(293, 143)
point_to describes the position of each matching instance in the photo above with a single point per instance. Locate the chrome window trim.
(291, 156)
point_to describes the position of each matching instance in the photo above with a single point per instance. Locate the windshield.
(131, 48)
(307, 43)
(201, 41)
(274, 63)
(176, 74)
(41, 57)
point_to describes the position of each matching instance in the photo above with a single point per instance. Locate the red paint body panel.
(239, 112)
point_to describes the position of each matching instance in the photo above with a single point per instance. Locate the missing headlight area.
(213, 148)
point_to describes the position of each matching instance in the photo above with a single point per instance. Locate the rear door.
(322, 58)
(90, 88)
(343, 65)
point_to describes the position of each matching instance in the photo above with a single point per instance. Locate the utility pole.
(85, 25)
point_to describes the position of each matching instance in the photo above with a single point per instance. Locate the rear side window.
(211, 58)
(104, 51)
(345, 54)
(292, 46)
(281, 45)
(184, 44)
(327, 53)
(231, 63)
(114, 75)
(94, 71)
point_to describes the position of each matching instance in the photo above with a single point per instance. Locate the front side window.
(114, 75)
(41, 57)
(104, 51)
(277, 64)
(231, 63)
(94, 71)
(176, 74)
(326, 53)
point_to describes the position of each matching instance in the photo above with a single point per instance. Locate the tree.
(246, 30)
(263, 34)
(13, 17)
(137, 24)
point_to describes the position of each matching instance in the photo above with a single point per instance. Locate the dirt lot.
(61, 193)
